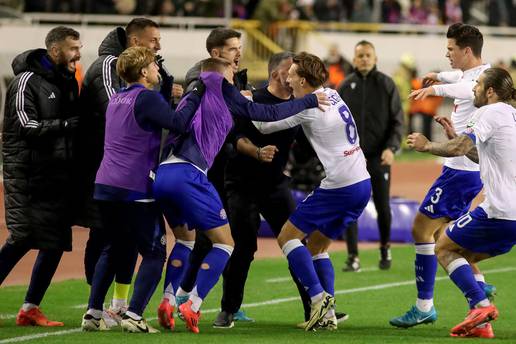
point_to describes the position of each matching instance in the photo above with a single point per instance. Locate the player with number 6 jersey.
(338, 201)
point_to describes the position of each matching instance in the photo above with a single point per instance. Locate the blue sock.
(325, 272)
(462, 275)
(216, 259)
(426, 269)
(174, 274)
(300, 262)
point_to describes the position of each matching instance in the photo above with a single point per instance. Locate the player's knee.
(177, 263)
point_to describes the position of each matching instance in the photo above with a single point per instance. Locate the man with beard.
(490, 229)
(39, 135)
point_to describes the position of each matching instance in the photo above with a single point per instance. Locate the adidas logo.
(430, 208)
(52, 96)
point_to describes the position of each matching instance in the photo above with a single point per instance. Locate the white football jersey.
(462, 92)
(334, 137)
(494, 126)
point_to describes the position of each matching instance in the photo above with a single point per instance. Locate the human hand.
(177, 91)
(430, 79)
(447, 125)
(266, 154)
(387, 157)
(418, 142)
(422, 93)
(322, 100)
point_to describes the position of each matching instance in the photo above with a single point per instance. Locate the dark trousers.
(426, 128)
(245, 204)
(380, 183)
(133, 228)
(42, 272)
(94, 247)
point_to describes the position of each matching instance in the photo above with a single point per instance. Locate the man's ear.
(274, 74)
(215, 52)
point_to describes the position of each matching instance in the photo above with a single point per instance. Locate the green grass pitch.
(371, 298)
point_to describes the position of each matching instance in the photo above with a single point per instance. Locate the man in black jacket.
(39, 136)
(101, 82)
(375, 104)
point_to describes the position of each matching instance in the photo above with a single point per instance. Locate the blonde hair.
(131, 61)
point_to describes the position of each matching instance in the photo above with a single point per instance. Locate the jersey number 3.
(351, 128)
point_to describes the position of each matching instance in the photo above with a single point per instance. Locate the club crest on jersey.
(222, 214)
(470, 124)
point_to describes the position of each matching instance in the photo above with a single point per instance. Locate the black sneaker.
(341, 316)
(385, 258)
(224, 320)
(352, 264)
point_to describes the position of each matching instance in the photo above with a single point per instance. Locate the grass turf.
(371, 298)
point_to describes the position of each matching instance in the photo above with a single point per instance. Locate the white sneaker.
(113, 317)
(90, 323)
(319, 310)
(136, 326)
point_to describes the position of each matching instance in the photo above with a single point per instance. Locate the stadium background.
(405, 41)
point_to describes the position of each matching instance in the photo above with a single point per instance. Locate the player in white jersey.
(451, 194)
(338, 201)
(490, 229)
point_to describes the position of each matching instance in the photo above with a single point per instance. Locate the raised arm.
(461, 145)
(290, 122)
(240, 106)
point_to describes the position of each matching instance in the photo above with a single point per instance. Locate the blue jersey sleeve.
(240, 106)
(153, 112)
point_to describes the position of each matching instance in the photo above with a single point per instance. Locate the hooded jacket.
(39, 152)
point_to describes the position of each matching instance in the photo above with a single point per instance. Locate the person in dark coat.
(380, 126)
(38, 150)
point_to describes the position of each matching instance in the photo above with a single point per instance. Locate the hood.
(114, 43)
(192, 75)
(30, 61)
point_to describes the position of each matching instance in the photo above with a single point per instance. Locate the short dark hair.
(311, 68)
(59, 34)
(214, 64)
(364, 42)
(218, 37)
(276, 60)
(137, 25)
(466, 36)
(501, 82)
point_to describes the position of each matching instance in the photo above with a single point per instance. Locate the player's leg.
(352, 262)
(276, 207)
(44, 269)
(381, 182)
(147, 229)
(300, 261)
(244, 219)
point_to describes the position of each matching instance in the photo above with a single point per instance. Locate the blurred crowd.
(430, 12)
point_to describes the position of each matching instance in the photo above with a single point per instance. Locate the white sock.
(424, 305)
(483, 303)
(96, 313)
(27, 306)
(133, 315)
(181, 292)
(480, 278)
(117, 304)
(316, 298)
(169, 294)
(196, 300)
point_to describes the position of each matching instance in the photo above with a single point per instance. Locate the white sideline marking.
(7, 316)
(289, 278)
(259, 304)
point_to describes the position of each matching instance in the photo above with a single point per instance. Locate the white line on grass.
(7, 316)
(259, 304)
(289, 278)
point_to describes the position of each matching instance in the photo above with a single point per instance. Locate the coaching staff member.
(38, 153)
(375, 104)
